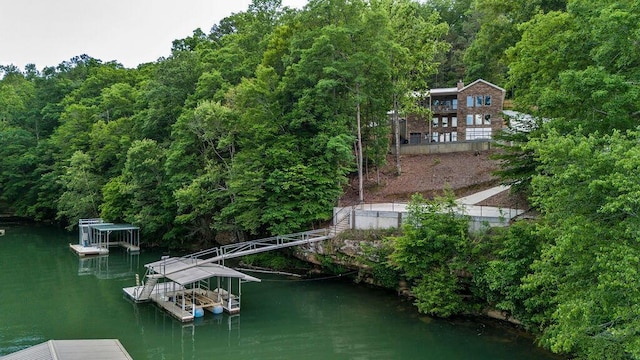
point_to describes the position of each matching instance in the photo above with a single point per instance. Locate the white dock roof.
(192, 274)
(109, 349)
(113, 227)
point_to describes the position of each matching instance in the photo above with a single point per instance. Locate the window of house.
(469, 101)
(487, 100)
(478, 119)
(487, 119)
(478, 133)
(454, 121)
(434, 137)
(434, 122)
(479, 99)
(454, 104)
(469, 119)
(445, 121)
(454, 136)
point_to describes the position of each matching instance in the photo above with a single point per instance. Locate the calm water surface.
(48, 292)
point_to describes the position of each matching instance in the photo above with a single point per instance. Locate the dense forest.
(254, 128)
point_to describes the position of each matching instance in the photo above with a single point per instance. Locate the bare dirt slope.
(463, 172)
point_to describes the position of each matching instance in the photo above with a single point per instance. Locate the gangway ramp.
(175, 264)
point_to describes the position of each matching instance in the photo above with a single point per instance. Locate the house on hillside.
(463, 113)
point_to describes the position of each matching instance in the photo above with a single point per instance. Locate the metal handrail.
(241, 249)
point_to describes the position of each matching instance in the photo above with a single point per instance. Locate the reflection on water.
(48, 292)
(117, 264)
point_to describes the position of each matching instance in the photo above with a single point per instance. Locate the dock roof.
(107, 349)
(191, 274)
(113, 227)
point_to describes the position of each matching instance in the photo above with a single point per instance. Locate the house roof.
(444, 91)
(485, 82)
(109, 349)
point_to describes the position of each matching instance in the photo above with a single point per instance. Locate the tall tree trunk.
(360, 175)
(396, 125)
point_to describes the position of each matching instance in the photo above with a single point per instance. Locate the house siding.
(494, 110)
(453, 120)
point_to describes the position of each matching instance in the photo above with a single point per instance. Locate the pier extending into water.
(182, 285)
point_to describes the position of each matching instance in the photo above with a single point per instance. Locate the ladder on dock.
(147, 288)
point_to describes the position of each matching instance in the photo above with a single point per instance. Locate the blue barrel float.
(199, 312)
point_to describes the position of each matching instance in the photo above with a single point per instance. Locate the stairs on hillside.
(342, 221)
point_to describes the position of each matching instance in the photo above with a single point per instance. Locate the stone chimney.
(460, 84)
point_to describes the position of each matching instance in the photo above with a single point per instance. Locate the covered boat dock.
(186, 289)
(96, 236)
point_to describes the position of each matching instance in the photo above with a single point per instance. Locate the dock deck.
(160, 288)
(88, 250)
(170, 296)
(173, 308)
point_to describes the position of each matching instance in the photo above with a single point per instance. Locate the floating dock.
(96, 236)
(186, 290)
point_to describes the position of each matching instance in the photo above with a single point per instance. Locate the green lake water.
(48, 292)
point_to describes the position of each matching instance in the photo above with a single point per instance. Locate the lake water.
(48, 292)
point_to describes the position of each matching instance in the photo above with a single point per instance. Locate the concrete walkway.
(466, 206)
(482, 195)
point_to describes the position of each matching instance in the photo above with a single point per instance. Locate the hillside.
(464, 173)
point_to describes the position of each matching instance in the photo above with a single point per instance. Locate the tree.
(463, 26)
(583, 287)
(140, 195)
(432, 253)
(82, 191)
(499, 22)
(17, 163)
(417, 39)
(199, 165)
(343, 70)
(506, 256)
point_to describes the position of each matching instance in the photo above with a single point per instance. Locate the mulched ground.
(463, 172)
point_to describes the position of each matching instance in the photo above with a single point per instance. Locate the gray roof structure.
(105, 349)
(192, 274)
(113, 227)
(443, 91)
